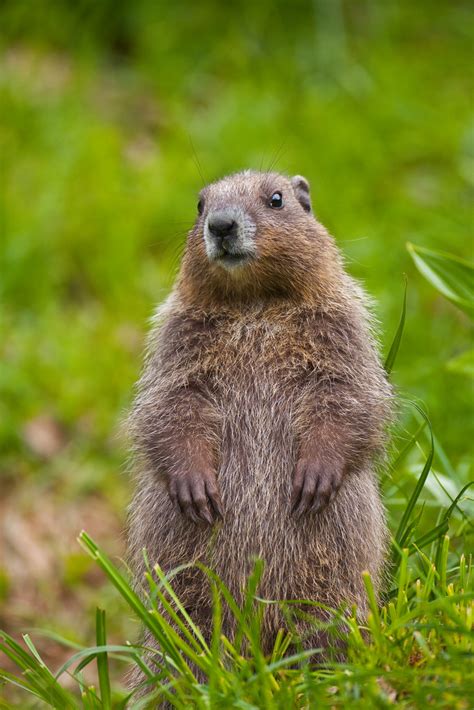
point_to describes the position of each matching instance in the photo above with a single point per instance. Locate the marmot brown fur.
(262, 409)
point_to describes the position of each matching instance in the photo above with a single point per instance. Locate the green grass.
(414, 650)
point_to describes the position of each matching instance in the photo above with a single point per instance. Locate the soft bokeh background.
(112, 115)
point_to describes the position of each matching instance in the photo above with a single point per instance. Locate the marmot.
(262, 409)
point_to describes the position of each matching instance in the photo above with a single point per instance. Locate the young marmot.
(262, 409)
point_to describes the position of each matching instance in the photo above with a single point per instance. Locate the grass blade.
(450, 275)
(392, 353)
(175, 649)
(39, 676)
(419, 485)
(102, 660)
(434, 534)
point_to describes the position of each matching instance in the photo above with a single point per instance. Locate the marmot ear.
(301, 188)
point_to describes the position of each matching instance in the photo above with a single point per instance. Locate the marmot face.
(254, 234)
(237, 214)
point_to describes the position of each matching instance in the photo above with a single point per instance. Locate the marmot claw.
(314, 486)
(197, 496)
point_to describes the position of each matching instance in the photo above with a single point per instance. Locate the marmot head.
(254, 236)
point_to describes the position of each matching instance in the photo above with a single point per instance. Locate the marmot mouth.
(232, 259)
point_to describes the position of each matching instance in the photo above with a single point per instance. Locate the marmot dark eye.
(200, 206)
(276, 200)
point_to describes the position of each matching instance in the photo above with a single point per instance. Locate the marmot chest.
(258, 374)
(259, 367)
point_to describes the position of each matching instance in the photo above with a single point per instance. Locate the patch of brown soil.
(48, 582)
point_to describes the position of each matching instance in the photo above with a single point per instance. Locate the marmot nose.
(222, 226)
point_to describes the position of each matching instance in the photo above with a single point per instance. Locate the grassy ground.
(109, 116)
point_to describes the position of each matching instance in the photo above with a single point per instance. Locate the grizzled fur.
(263, 399)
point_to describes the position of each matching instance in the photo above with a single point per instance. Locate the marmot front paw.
(197, 496)
(314, 485)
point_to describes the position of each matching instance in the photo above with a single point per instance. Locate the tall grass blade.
(102, 660)
(38, 675)
(175, 650)
(408, 446)
(392, 353)
(19, 683)
(194, 635)
(435, 533)
(450, 275)
(399, 536)
(87, 655)
(403, 578)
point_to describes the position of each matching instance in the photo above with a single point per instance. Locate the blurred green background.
(111, 116)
